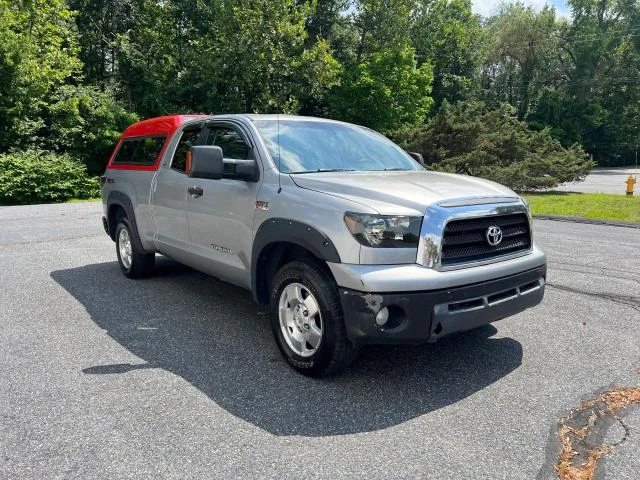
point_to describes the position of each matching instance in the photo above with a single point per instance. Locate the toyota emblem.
(494, 235)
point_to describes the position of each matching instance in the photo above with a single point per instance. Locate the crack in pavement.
(582, 432)
(601, 274)
(51, 240)
(592, 265)
(588, 265)
(633, 302)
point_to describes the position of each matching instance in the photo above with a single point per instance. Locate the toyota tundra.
(347, 238)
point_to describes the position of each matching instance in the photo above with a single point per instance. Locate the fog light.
(382, 316)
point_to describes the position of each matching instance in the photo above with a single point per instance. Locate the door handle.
(195, 191)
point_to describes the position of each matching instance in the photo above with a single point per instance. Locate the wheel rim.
(124, 245)
(300, 319)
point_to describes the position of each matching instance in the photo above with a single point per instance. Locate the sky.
(486, 7)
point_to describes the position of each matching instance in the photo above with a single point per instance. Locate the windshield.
(308, 146)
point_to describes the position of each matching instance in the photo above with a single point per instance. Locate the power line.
(613, 34)
(422, 54)
(586, 83)
(587, 37)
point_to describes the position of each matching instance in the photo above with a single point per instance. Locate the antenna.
(279, 171)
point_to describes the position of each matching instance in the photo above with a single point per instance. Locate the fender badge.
(218, 248)
(262, 205)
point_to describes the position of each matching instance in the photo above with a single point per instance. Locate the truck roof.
(297, 118)
(168, 124)
(160, 125)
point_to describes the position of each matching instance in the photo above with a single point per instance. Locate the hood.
(396, 192)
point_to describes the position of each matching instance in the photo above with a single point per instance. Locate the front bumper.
(418, 278)
(422, 316)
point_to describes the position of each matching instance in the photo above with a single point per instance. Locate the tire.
(133, 262)
(333, 351)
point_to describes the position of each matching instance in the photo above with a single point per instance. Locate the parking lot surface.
(602, 180)
(177, 376)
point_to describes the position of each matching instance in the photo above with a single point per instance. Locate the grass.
(600, 206)
(82, 200)
(586, 205)
(73, 200)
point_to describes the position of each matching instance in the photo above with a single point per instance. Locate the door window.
(231, 143)
(182, 156)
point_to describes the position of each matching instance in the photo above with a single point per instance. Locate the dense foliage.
(43, 104)
(34, 176)
(492, 143)
(75, 73)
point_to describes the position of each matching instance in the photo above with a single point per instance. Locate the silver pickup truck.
(346, 237)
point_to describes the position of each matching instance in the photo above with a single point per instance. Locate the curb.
(589, 221)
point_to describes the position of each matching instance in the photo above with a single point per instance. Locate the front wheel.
(133, 263)
(307, 320)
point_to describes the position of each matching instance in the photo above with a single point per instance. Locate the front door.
(221, 218)
(169, 198)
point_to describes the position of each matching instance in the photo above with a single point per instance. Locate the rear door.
(221, 218)
(169, 197)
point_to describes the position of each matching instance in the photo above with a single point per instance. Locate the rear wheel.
(307, 320)
(133, 262)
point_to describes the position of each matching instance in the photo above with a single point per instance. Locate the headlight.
(384, 231)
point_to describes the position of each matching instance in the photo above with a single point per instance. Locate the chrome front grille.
(465, 240)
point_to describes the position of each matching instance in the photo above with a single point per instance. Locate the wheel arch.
(279, 241)
(119, 203)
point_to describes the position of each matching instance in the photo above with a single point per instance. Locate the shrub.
(34, 176)
(472, 139)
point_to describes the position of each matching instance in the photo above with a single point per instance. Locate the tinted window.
(231, 143)
(126, 151)
(139, 151)
(183, 150)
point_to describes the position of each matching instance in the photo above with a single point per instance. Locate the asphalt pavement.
(603, 180)
(177, 376)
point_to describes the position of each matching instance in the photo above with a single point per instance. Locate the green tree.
(224, 57)
(330, 21)
(38, 52)
(42, 105)
(597, 29)
(386, 91)
(447, 34)
(597, 103)
(256, 54)
(319, 72)
(101, 24)
(381, 25)
(86, 123)
(520, 53)
(153, 57)
(471, 139)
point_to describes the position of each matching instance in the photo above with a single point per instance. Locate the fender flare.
(123, 200)
(275, 230)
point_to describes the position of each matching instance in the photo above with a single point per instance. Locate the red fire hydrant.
(631, 181)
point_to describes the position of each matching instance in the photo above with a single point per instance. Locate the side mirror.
(206, 162)
(417, 157)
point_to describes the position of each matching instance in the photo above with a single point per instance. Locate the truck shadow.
(212, 335)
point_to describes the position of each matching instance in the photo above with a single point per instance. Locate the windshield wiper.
(325, 170)
(397, 169)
